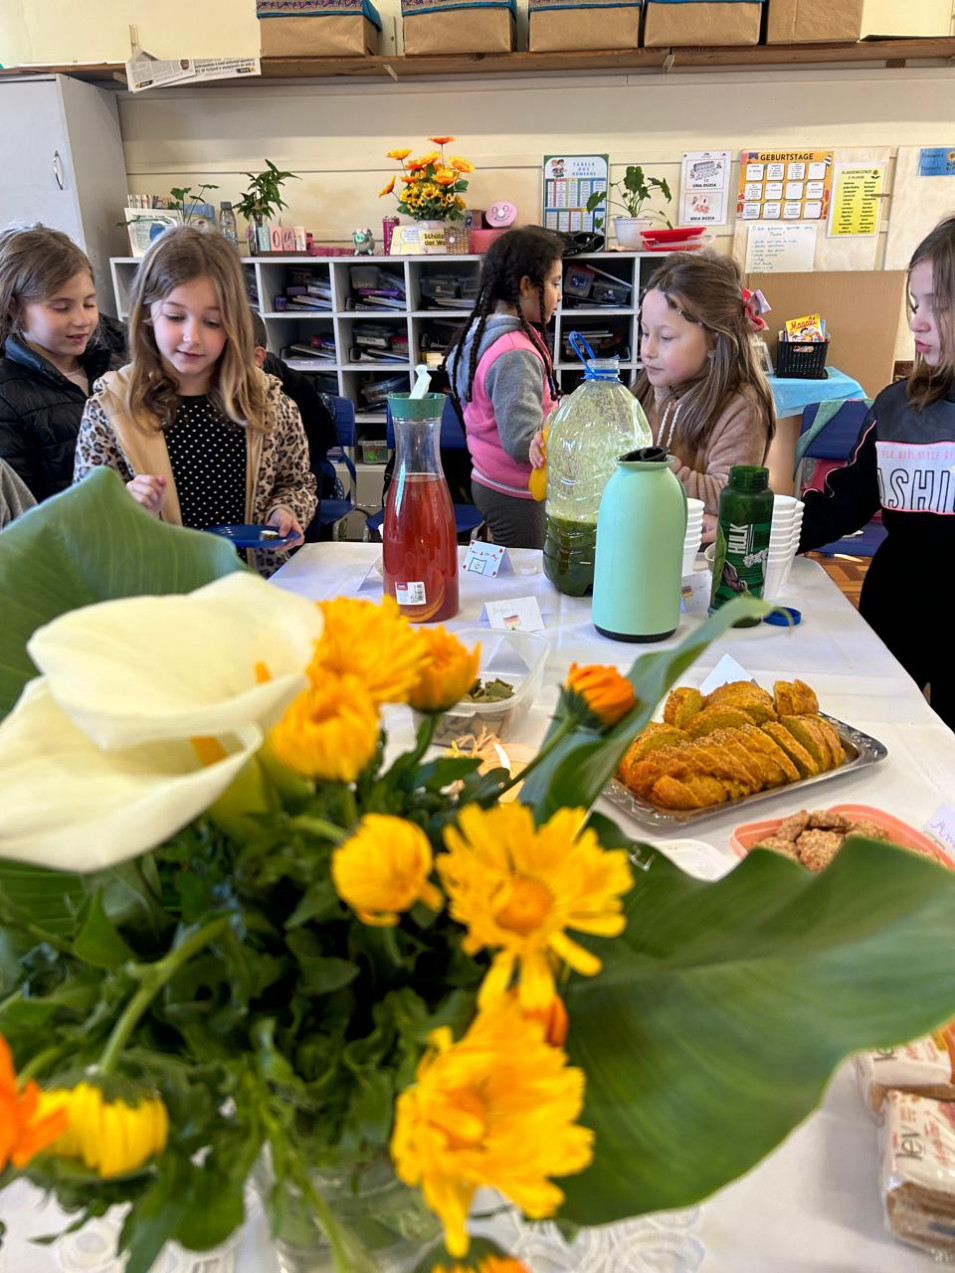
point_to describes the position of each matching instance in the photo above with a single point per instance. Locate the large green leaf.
(91, 543)
(723, 1010)
(580, 766)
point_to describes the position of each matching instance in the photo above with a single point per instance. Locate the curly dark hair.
(529, 251)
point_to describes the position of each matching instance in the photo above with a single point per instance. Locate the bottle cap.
(749, 477)
(784, 617)
(225, 206)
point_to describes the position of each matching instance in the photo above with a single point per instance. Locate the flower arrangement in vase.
(431, 186)
(242, 935)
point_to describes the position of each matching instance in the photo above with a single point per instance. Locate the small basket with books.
(802, 349)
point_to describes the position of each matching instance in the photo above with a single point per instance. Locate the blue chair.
(828, 435)
(333, 510)
(468, 519)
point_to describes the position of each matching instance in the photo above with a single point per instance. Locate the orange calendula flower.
(449, 672)
(494, 1110)
(445, 176)
(441, 141)
(388, 189)
(461, 165)
(382, 870)
(399, 154)
(553, 1020)
(374, 643)
(25, 1128)
(604, 692)
(110, 1137)
(517, 888)
(328, 732)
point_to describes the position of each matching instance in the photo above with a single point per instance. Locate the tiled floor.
(847, 572)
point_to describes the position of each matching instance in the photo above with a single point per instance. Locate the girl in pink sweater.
(503, 379)
(702, 388)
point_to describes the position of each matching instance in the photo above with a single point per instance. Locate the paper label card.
(941, 827)
(489, 560)
(725, 671)
(518, 614)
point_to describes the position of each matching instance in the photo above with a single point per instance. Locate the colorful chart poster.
(784, 185)
(704, 189)
(569, 181)
(936, 161)
(857, 200)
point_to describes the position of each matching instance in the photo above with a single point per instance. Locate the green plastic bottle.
(742, 538)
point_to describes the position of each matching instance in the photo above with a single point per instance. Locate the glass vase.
(372, 1208)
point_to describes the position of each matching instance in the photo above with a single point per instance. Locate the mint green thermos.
(638, 569)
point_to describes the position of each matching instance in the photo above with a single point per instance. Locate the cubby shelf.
(268, 277)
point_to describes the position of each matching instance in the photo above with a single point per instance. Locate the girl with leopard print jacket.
(199, 434)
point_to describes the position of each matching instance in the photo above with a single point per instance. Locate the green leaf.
(582, 764)
(723, 1010)
(50, 899)
(215, 1210)
(321, 974)
(98, 942)
(47, 569)
(157, 1214)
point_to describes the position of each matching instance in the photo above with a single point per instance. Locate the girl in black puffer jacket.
(52, 353)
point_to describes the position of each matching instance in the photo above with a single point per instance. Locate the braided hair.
(529, 251)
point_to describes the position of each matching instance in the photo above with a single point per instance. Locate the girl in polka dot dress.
(200, 435)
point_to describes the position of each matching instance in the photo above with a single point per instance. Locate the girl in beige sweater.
(702, 388)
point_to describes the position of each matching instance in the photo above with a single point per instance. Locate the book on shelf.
(375, 303)
(309, 302)
(359, 353)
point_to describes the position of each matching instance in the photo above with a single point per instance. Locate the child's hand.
(148, 489)
(709, 529)
(538, 451)
(286, 523)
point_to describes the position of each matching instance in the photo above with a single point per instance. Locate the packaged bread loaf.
(924, 1068)
(917, 1141)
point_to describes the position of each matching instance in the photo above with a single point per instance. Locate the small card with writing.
(518, 614)
(941, 828)
(489, 560)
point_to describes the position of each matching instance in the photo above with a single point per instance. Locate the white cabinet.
(430, 308)
(61, 156)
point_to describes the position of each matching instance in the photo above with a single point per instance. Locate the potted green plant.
(632, 194)
(263, 198)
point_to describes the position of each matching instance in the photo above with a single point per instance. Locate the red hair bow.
(753, 311)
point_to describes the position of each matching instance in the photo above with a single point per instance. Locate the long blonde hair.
(35, 262)
(707, 288)
(931, 384)
(180, 255)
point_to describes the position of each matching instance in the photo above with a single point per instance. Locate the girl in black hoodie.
(51, 353)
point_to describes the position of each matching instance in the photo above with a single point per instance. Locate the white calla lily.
(71, 806)
(141, 669)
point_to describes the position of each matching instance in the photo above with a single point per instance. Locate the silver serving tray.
(861, 751)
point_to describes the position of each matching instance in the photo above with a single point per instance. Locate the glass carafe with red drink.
(420, 555)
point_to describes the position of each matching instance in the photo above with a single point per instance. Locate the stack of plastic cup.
(783, 542)
(694, 533)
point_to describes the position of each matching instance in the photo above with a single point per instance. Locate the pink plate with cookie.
(750, 834)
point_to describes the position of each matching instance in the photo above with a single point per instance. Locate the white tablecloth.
(813, 1206)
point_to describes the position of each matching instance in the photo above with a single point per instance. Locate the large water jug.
(596, 424)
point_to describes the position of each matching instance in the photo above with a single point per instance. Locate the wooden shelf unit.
(891, 53)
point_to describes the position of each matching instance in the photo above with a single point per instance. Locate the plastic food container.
(374, 452)
(517, 657)
(745, 837)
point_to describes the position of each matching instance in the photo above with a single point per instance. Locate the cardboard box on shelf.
(693, 23)
(318, 28)
(813, 21)
(590, 24)
(458, 26)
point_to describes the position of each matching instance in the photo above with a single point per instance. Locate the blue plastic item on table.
(252, 536)
(792, 396)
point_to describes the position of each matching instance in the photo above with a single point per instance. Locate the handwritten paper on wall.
(780, 249)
